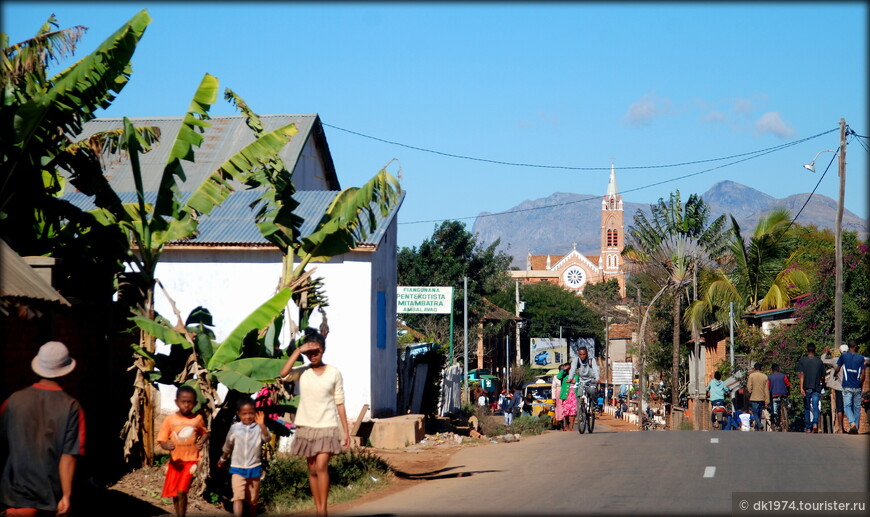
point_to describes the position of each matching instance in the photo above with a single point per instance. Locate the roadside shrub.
(529, 425)
(345, 469)
(286, 480)
(492, 425)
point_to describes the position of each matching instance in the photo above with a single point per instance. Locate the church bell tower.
(612, 234)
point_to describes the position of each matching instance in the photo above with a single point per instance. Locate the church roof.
(540, 261)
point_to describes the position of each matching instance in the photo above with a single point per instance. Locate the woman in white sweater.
(321, 420)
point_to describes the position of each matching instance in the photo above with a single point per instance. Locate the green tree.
(550, 307)
(347, 221)
(444, 259)
(672, 247)
(760, 273)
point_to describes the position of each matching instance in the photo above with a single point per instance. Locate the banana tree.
(151, 226)
(346, 222)
(40, 118)
(244, 361)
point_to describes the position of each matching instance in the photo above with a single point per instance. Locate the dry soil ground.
(138, 493)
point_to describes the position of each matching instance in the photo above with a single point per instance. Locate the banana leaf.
(262, 317)
(189, 136)
(216, 188)
(161, 331)
(258, 368)
(239, 381)
(348, 217)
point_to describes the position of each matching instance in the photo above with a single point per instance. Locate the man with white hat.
(43, 429)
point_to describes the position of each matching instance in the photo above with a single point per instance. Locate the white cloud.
(650, 106)
(772, 122)
(715, 116)
(743, 106)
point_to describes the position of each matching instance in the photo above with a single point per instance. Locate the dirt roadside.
(137, 494)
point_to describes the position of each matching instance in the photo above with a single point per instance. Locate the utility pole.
(517, 325)
(507, 362)
(838, 295)
(731, 326)
(606, 351)
(640, 377)
(465, 334)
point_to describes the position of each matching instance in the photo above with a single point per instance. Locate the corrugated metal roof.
(19, 280)
(226, 136)
(232, 223)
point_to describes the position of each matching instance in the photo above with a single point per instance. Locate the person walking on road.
(759, 396)
(835, 383)
(811, 371)
(568, 394)
(42, 429)
(852, 365)
(321, 420)
(507, 409)
(557, 390)
(778, 384)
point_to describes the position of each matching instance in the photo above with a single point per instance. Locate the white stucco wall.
(232, 283)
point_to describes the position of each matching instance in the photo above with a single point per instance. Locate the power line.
(748, 156)
(567, 167)
(811, 193)
(770, 150)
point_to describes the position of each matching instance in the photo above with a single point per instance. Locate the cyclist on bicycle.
(717, 389)
(587, 370)
(778, 384)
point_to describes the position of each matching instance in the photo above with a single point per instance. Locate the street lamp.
(838, 243)
(812, 165)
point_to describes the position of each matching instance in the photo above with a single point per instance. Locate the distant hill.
(571, 218)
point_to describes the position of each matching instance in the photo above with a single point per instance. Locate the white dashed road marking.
(709, 472)
(714, 440)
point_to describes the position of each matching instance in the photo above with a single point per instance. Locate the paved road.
(647, 473)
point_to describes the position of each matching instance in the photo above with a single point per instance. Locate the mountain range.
(558, 222)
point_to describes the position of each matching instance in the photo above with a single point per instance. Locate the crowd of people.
(844, 376)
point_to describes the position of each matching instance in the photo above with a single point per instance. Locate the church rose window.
(574, 277)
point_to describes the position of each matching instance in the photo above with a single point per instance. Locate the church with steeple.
(574, 270)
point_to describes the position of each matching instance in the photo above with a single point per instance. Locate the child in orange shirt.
(183, 434)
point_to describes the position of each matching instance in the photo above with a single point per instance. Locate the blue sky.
(565, 84)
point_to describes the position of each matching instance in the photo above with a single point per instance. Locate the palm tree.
(676, 241)
(760, 273)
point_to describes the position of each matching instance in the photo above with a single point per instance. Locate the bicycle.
(720, 416)
(585, 412)
(779, 413)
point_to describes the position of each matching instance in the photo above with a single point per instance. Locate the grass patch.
(493, 425)
(530, 425)
(285, 488)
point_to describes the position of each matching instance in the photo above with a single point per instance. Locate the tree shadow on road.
(440, 474)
